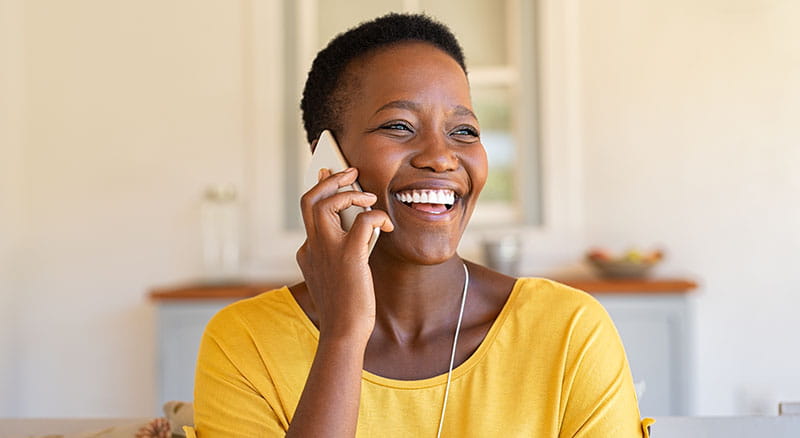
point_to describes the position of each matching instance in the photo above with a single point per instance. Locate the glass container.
(220, 234)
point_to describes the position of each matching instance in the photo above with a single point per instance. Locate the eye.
(397, 126)
(466, 131)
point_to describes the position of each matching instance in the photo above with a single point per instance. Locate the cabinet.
(655, 332)
(181, 316)
(653, 319)
(180, 327)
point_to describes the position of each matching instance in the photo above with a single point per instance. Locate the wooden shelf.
(213, 291)
(242, 290)
(635, 286)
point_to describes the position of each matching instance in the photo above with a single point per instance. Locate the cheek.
(375, 171)
(477, 165)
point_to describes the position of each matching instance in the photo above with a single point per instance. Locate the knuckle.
(336, 202)
(302, 254)
(319, 209)
(362, 217)
(369, 216)
(303, 257)
(325, 203)
(307, 200)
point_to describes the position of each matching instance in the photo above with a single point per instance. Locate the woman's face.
(410, 131)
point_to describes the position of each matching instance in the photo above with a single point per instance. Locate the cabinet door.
(180, 328)
(654, 332)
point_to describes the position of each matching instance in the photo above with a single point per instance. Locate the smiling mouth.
(430, 201)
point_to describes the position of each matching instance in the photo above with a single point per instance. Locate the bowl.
(632, 264)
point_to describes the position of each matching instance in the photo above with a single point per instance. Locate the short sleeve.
(227, 402)
(646, 423)
(598, 386)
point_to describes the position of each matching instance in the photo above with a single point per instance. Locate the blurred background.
(610, 123)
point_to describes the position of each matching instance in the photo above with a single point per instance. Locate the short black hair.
(322, 102)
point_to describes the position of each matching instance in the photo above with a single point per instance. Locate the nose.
(435, 153)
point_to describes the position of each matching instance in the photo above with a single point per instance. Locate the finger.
(327, 221)
(374, 219)
(332, 182)
(359, 236)
(328, 186)
(323, 173)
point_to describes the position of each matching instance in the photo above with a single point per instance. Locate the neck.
(414, 300)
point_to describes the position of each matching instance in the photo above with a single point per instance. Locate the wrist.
(342, 337)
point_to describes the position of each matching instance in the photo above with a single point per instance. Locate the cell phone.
(327, 155)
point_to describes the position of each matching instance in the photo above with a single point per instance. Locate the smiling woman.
(409, 339)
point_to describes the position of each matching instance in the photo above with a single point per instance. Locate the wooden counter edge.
(247, 290)
(205, 292)
(632, 286)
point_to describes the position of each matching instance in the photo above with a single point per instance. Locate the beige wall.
(131, 109)
(11, 193)
(690, 116)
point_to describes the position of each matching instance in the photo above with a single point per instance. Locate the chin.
(432, 251)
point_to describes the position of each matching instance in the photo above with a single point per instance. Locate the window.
(499, 44)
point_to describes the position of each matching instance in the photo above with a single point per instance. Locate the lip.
(447, 216)
(430, 184)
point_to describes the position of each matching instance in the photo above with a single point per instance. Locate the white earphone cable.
(453, 354)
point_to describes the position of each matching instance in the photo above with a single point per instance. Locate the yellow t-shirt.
(552, 365)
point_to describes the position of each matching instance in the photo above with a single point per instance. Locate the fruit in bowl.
(631, 264)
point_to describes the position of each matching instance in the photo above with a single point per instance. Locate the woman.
(408, 340)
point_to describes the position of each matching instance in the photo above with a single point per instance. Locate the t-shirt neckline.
(439, 379)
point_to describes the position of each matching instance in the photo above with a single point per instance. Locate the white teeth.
(427, 196)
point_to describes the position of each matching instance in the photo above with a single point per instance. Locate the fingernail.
(350, 169)
(371, 195)
(320, 174)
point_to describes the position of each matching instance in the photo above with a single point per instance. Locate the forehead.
(416, 71)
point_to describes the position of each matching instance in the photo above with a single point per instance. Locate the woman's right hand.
(335, 262)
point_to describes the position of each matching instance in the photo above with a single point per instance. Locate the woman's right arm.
(336, 270)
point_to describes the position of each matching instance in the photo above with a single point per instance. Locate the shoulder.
(549, 304)
(265, 312)
(549, 295)
(258, 332)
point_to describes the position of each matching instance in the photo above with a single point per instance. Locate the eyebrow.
(459, 110)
